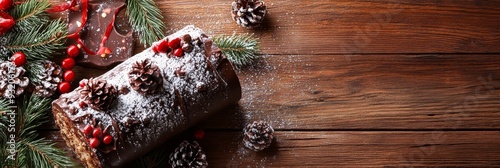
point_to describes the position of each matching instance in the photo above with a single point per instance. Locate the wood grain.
(370, 92)
(353, 149)
(354, 27)
(357, 83)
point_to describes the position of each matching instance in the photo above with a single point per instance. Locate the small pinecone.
(48, 79)
(145, 77)
(98, 94)
(188, 155)
(18, 82)
(249, 13)
(258, 135)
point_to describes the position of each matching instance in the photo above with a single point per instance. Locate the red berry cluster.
(6, 21)
(96, 136)
(165, 46)
(68, 63)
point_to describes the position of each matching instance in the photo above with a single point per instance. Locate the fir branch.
(36, 69)
(30, 14)
(42, 153)
(39, 43)
(155, 158)
(33, 114)
(241, 50)
(146, 20)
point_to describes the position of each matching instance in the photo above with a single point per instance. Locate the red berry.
(5, 4)
(88, 129)
(83, 83)
(83, 104)
(178, 52)
(175, 43)
(64, 87)
(18, 58)
(107, 139)
(199, 134)
(68, 63)
(94, 142)
(69, 75)
(155, 47)
(6, 22)
(72, 51)
(97, 132)
(162, 46)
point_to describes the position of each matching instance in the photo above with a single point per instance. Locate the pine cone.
(249, 13)
(98, 94)
(15, 86)
(145, 77)
(188, 155)
(48, 79)
(258, 135)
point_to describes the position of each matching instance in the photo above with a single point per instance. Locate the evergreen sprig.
(40, 42)
(28, 14)
(241, 50)
(32, 151)
(146, 20)
(155, 158)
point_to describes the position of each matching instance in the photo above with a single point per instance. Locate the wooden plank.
(353, 27)
(352, 149)
(369, 92)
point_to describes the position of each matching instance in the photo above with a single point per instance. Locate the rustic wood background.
(358, 83)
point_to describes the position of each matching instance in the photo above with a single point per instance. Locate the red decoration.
(97, 132)
(83, 83)
(69, 75)
(6, 22)
(199, 134)
(18, 58)
(178, 52)
(175, 43)
(68, 63)
(5, 4)
(94, 142)
(88, 129)
(83, 104)
(72, 51)
(107, 139)
(64, 87)
(161, 46)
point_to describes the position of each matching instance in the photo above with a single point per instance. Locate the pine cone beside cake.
(48, 79)
(12, 80)
(188, 155)
(258, 135)
(248, 13)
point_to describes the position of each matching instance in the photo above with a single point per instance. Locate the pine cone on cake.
(48, 79)
(188, 155)
(12, 80)
(98, 94)
(249, 13)
(145, 77)
(258, 135)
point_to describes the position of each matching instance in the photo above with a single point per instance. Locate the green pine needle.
(42, 153)
(146, 20)
(28, 14)
(32, 151)
(241, 50)
(155, 158)
(40, 42)
(35, 68)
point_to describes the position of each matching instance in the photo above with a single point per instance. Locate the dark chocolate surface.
(140, 123)
(100, 15)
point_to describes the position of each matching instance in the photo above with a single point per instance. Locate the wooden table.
(364, 83)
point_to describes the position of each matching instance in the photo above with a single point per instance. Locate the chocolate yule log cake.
(135, 107)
